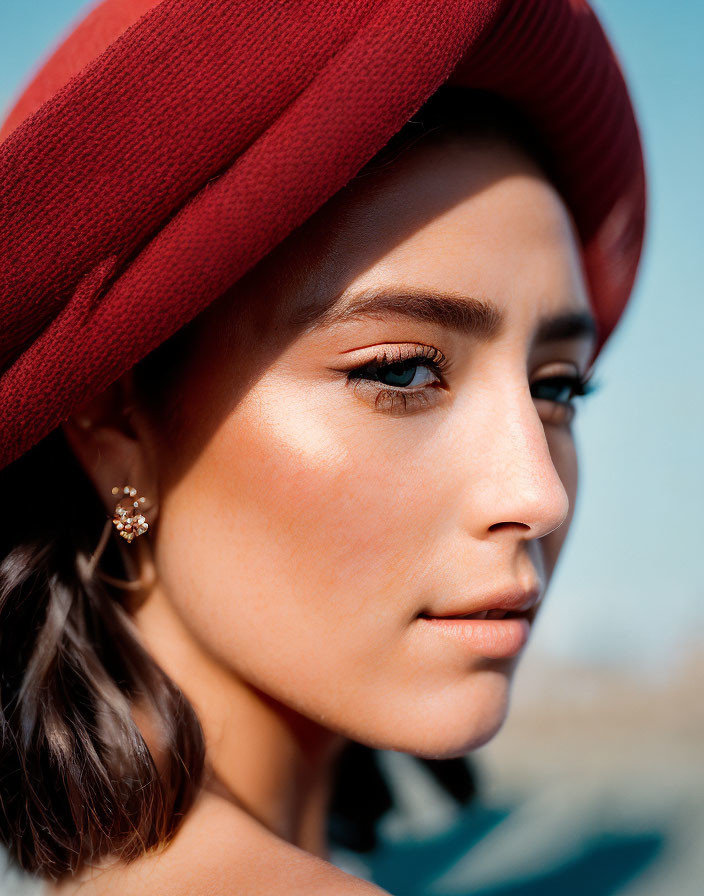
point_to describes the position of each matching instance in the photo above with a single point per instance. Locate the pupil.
(397, 370)
(557, 390)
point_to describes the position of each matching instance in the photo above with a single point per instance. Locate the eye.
(560, 390)
(401, 374)
(399, 369)
(563, 388)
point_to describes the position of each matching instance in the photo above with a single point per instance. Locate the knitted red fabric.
(165, 147)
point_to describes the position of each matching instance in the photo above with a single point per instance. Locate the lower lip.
(492, 638)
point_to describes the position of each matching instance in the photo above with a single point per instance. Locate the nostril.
(500, 525)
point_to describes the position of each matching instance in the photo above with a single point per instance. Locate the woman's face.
(315, 512)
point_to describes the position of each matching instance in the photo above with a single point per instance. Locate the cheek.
(297, 533)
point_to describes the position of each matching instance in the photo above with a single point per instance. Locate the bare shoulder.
(221, 851)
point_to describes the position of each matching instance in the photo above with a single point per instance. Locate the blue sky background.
(629, 588)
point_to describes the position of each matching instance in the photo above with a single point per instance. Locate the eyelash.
(432, 358)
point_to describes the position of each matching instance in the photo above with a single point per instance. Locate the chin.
(451, 742)
(451, 723)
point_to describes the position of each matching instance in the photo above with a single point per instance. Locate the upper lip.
(515, 599)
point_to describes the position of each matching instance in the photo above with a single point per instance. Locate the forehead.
(476, 222)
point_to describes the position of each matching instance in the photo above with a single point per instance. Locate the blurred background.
(595, 784)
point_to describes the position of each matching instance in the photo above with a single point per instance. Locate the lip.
(496, 638)
(513, 599)
(491, 638)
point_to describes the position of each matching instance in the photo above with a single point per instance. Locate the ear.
(112, 442)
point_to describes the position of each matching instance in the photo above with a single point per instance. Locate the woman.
(311, 351)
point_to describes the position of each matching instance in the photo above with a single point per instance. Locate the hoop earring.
(128, 518)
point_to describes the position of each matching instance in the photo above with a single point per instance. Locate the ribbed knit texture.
(166, 147)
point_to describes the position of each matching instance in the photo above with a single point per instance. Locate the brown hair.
(77, 779)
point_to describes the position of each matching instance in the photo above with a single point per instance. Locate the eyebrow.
(465, 314)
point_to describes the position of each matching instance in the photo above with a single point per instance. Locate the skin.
(297, 531)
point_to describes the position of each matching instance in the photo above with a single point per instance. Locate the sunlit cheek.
(315, 501)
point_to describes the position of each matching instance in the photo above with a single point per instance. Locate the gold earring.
(128, 518)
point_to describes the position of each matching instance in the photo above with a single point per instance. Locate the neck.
(262, 756)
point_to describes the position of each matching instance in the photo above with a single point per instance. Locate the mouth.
(493, 633)
(487, 614)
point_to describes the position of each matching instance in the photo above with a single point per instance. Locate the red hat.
(165, 147)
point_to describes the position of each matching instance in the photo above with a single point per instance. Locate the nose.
(512, 481)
